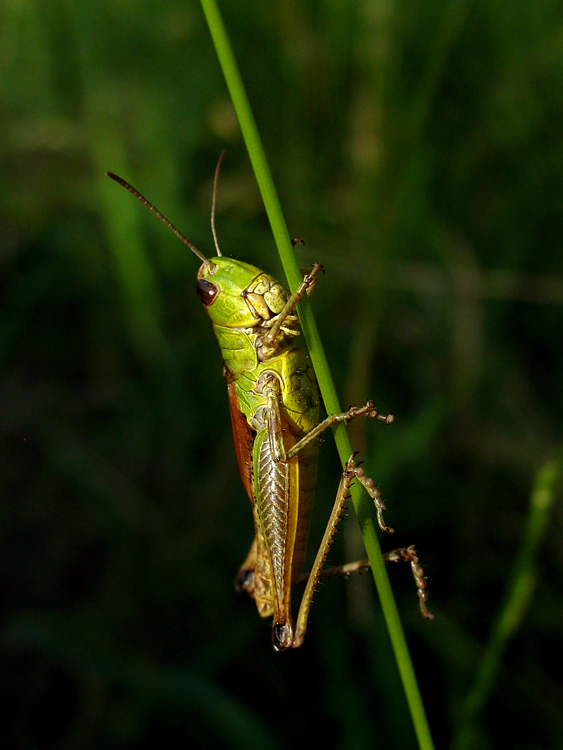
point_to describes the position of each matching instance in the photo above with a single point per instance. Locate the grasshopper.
(274, 404)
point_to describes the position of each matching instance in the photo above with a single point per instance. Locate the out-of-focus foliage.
(418, 149)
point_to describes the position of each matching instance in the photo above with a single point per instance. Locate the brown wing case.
(244, 441)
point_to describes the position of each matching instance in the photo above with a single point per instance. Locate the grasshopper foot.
(409, 555)
(354, 471)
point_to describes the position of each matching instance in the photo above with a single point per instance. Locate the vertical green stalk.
(514, 604)
(363, 506)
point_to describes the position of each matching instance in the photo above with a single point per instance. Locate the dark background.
(417, 147)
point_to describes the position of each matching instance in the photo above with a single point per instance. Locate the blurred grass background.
(419, 151)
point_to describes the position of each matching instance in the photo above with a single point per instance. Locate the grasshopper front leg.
(269, 343)
(305, 287)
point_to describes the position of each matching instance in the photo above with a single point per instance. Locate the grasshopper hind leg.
(316, 571)
(408, 554)
(403, 554)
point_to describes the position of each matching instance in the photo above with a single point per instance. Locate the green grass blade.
(517, 597)
(363, 506)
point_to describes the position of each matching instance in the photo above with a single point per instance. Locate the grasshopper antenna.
(214, 201)
(156, 212)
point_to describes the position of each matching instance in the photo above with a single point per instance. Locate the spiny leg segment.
(325, 545)
(403, 554)
(350, 473)
(355, 472)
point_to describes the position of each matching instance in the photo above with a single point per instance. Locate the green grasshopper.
(274, 403)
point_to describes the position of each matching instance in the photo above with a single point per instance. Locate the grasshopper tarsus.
(353, 471)
(403, 554)
(368, 410)
(408, 554)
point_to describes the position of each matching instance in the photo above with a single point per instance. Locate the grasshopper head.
(236, 294)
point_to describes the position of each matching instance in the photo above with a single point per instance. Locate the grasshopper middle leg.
(368, 410)
(271, 388)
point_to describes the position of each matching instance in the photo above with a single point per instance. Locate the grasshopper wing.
(244, 441)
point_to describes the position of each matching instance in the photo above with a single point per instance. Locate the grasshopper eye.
(206, 292)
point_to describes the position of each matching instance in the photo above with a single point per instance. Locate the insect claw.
(282, 636)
